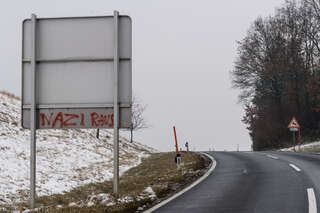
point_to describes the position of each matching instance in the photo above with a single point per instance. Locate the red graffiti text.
(75, 120)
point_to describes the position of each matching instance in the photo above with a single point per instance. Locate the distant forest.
(278, 72)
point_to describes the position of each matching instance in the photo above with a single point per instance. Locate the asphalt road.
(260, 182)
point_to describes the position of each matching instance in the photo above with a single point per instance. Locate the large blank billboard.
(75, 73)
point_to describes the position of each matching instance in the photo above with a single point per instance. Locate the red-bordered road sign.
(294, 124)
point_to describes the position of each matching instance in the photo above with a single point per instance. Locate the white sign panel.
(75, 72)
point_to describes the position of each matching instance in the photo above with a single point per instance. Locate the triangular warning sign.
(294, 123)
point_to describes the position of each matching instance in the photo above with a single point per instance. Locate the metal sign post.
(116, 107)
(33, 115)
(294, 140)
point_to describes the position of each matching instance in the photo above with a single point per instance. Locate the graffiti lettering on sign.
(69, 120)
(99, 120)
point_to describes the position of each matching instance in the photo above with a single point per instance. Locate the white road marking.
(273, 157)
(295, 167)
(312, 201)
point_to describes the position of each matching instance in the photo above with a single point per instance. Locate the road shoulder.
(174, 196)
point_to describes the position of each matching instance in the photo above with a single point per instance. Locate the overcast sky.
(182, 54)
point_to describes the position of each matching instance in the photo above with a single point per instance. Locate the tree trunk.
(131, 135)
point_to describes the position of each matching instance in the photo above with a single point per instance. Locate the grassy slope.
(158, 171)
(65, 158)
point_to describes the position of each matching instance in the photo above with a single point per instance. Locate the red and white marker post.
(178, 155)
(175, 138)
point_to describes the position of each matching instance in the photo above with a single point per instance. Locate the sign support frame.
(116, 105)
(33, 114)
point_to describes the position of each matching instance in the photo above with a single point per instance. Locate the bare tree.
(312, 24)
(138, 120)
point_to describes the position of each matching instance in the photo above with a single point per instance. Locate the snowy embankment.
(65, 158)
(313, 147)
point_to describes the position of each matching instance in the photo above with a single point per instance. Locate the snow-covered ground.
(65, 158)
(308, 147)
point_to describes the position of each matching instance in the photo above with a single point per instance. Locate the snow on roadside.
(312, 145)
(107, 199)
(65, 158)
(149, 191)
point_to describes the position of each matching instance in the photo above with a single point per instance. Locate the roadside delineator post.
(187, 146)
(178, 155)
(175, 138)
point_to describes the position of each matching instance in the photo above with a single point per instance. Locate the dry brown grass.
(158, 171)
(10, 95)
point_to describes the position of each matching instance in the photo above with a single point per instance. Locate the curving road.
(259, 182)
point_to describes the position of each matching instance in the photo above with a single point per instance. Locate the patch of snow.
(150, 192)
(111, 203)
(28, 210)
(147, 193)
(72, 204)
(90, 203)
(104, 198)
(315, 144)
(126, 199)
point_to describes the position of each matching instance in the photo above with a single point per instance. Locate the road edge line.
(164, 202)
(312, 201)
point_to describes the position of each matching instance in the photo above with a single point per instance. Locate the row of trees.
(278, 73)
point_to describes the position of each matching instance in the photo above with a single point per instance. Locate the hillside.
(65, 158)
